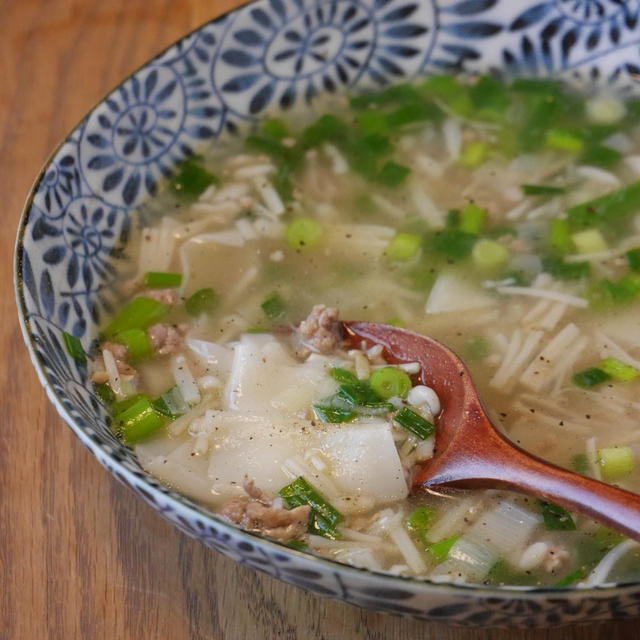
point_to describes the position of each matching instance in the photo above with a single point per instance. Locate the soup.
(501, 220)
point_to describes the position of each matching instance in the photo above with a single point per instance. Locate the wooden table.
(80, 556)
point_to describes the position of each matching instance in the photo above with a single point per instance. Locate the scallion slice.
(202, 301)
(138, 314)
(618, 370)
(138, 421)
(440, 550)
(332, 414)
(324, 517)
(137, 343)
(590, 377)
(162, 280)
(556, 518)
(273, 305)
(74, 347)
(414, 423)
(390, 382)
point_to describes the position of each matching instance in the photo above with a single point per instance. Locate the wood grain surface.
(80, 556)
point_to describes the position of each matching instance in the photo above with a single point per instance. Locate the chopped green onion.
(192, 179)
(304, 233)
(489, 94)
(623, 291)
(420, 520)
(404, 246)
(395, 322)
(489, 255)
(608, 538)
(453, 243)
(138, 314)
(572, 578)
(202, 301)
(564, 140)
(324, 517)
(334, 415)
(273, 305)
(473, 154)
(74, 347)
(589, 241)
(326, 128)
(275, 128)
(105, 394)
(473, 219)
(412, 113)
(372, 122)
(360, 394)
(414, 423)
(633, 258)
(123, 405)
(162, 280)
(171, 404)
(615, 462)
(440, 550)
(395, 94)
(298, 545)
(590, 377)
(139, 421)
(562, 270)
(580, 464)
(540, 190)
(613, 206)
(601, 156)
(556, 518)
(560, 235)
(342, 375)
(390, 382)
(477, 348)
(618, 370)
(392, 174)
(450, 91)
(137, 343)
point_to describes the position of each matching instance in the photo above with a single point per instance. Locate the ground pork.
(165, 296)
(321, 330)
(259, 515)
(166, 338)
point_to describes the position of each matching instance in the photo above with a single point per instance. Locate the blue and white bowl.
(273, 55)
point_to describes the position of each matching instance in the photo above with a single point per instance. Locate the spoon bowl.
(471, 453)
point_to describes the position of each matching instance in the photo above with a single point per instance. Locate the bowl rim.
(182, 502)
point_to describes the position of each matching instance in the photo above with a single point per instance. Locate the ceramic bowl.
(272, 55)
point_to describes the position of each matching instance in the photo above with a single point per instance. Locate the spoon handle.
(509, 467)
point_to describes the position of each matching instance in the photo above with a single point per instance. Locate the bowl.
(269, 56)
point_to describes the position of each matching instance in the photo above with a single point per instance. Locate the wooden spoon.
(471, 453)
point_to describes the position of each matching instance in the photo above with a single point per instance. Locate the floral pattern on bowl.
(268, 56)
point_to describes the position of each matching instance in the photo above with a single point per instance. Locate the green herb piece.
(572, 578)
(332, 414)
(395, 322)
(607, 293)
(489, 255)
(304, 233)
(564, 140)
(104, 392)
(440, 550)
(275, 128)
(414, 423)
(540, 190)
(590, 377)
(412, 113)
(326, 128)
(560, 235)
(342, 375)
(138, 314)
(298, 545)
(395, 94)
(601, 156)
(403, 247)
(562, 270)
(282, 181)
(544, 86)
(477, 348)
(74, 347)
(273, 305)
(580, 464)
(614, 206)
(390, 382)
(137, 343)
(453, 218)
(502, 573)
(608, 538)
(473, 219)
(360, 394)
(139, 421)
(421, 519)
(589, 241)
(324, 517)
(615, 462)
(392, 174)
(372, 122)
(633, 258)
(162, 280)
(451, 92)
(556, 518)
(489, 95)
(473, 154)
(618, 370)
(452, 243)
(191, 179)
(171, 404)
(202, 301)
